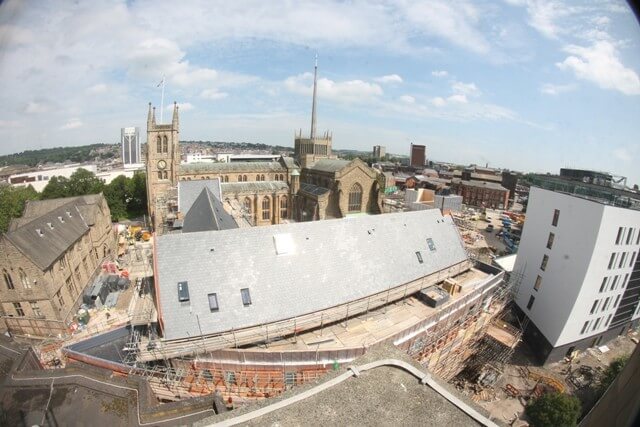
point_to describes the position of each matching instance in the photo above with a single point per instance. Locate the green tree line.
(126, 197)
(60, 155)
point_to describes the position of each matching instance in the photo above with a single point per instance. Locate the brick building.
(48, 257)
(481, 193)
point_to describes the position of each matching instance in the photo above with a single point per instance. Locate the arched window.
(244, 178)
(165, 175)
(266, 208)
(24, 279)
(239, 178)
(247, 205)
(165, 144)
(7, 279)
(261, 177)
(355, 198)
(226, 178)
(159, 144)
(159, 174)
(283, 207)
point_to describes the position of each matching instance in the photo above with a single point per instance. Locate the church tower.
(307, 150)
(163, 161)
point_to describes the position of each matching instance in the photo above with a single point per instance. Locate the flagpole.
(162, 102)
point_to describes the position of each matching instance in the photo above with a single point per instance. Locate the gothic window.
(165, 144)
(159, 145)
(239, 178)
(266, 208)
(159, 174)
(24, 279)
(261, 177)
(244, 178)
(165, 175)
(283, 207)
(226, 178)
(247, 205)
(7, 279)
(355, 198)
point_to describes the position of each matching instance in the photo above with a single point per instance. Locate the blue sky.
(522, 84)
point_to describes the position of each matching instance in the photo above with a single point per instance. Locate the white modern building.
(130, 139)
(580, 275)
(39, 179)
(229, 157)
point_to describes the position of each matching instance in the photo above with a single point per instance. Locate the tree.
(84, 182)
(554, 410)
(610, 374)
(117, 197)
(57, 187)
(12, 201)
(137, 191)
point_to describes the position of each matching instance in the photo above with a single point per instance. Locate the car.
(489, 227)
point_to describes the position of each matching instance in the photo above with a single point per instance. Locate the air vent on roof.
(61, 219)
(40, 232)
(50, 225)
(69, 214)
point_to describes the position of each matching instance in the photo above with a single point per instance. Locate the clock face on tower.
(162, 164)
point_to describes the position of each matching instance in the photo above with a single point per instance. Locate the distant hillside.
(82, 153)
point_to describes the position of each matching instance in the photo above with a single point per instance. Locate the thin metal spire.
(312, 135)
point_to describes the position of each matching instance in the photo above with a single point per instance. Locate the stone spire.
(175, 121)
(312, 135)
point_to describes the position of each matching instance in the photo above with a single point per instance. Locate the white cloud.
(455, 22)
(544, 14)
(97, 89)
(439, 73)
(438, 101)
(182, 106)
(72, 124)
(622, 154)
(469, 89)
(600, 64)
(392, 78)
(408, 99)
(460, 99)
(552, 89)
(34, 107)
(350, 91)
(212, 94)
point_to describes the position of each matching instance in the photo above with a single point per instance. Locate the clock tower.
(163, 160)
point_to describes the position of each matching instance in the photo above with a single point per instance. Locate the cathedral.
(313, 185)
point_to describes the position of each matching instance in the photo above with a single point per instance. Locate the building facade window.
(159, 145)
(283, 207)
(543, 264)
(7, 279)
(622, 258)
(619, 237)
(165, 144)
(594, 306)
(595, 325)
(611, 261)
(584, 327)
(60, 299)
(24, 279)
(71, 287)
(550, 240)
(266, 208)
(35, 309)
(615, 304)
(531, 301)
(603, 286)
(556, 217)
(18, 307)
(536, 286)
(355, 198)
(606, 304)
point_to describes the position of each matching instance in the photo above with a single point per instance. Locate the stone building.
(49, 255)
(313, 185)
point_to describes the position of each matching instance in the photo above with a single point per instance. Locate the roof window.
(419, 255)
(183, 291)
(432, 246)
(246, 297)
(213, 302)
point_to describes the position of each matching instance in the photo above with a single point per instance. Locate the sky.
(521, 84)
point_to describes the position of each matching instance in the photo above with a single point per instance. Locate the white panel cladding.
(584, 240)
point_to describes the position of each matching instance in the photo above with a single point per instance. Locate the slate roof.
(248, 167)
(484, 184)
(36, 208)
(313, 189)
(330, 165)
(188, 191)
(206, 214)
(252, 187)
(327, 263)
(58, 229)
(289, 162)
